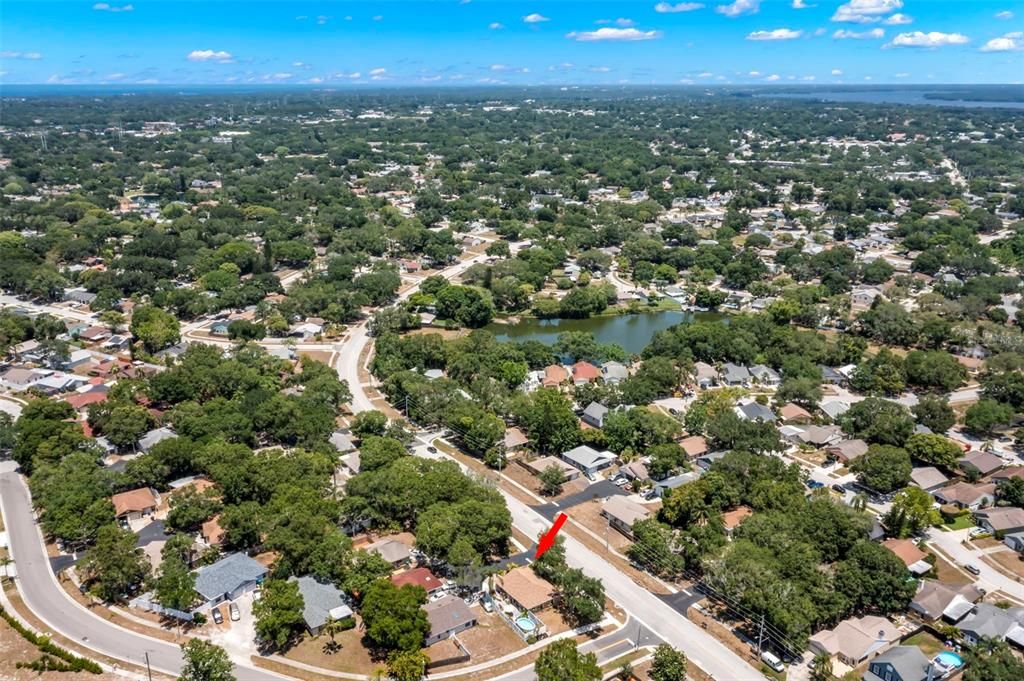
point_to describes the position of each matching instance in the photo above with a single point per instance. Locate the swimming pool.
(525, 624)
(949, 660)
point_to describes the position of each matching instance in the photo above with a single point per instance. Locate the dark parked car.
(218, 616)
(839, 488)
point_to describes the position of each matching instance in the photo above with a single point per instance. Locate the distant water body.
(905, 97)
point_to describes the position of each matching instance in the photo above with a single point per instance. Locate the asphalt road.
(48, 601)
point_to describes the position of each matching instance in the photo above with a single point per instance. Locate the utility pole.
(149, 672)
(760, 636)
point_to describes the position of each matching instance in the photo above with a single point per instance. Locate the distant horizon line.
(494, 86)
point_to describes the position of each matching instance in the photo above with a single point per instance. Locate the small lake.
(632, 331)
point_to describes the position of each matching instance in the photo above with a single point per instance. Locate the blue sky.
(453, 42)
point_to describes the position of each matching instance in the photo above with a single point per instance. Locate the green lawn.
(928, 644)
(960, 523)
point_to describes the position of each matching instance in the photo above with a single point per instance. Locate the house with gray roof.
(765, 375)
(928, 478)
(1015, 540)
(614, 372)
(321, 602)
(588, 459)
(990, 621)
(391, 550)
(937, 600)
(342, 441)
(848, 450)
(900, 663)
(594, 415)
(228, 578)
(981, 463)
(150, 439)
(734, 374)
(705, 374)
(663, 487)
(834, 408)
(447, 616)
(1004, 519)
(750, 410)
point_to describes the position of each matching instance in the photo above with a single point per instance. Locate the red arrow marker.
(548, 540)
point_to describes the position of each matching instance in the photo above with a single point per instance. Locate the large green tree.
(279, 613)
(561, 661)
(393, 617)
(114, 567)
(205, 661)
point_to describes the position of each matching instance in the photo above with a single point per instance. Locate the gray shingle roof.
(227, 574)
(321, 601)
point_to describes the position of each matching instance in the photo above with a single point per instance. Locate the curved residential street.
(48, 601)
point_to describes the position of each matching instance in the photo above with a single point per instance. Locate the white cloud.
(772, 78)
(898, 19)
(754, 74)
(535, 18)
(931, 39)
(321, 20)
(3, 73)
(843, 34)
(107, 7)
(837, 72)
(219, 56)
(495, 26)
(801, 4)
(808, 78)
(624, 22)
(820, 31)
(613, 34)
(705, 74)
(1005, 15)
(738, 8)
(902, 74)
(378, 17)
(430, 79)
(14, 54)
(114, 76)
(777, 34)
(868, 77)
(865, 11)
(669, 8)
(1011, 42)
(599, 69)
(277, 76)
(315, 80)
(379, 71)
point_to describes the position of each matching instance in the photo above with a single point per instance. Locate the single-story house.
(515, 440)
(928, 478)
(584, 372)
(18, 377)
(79, 295)
(967, 495)
(614, 372)
(990, 621)
(662, 487)
(734, 374)
(705, 461)
(525, 589)
(447, 616)
(95, 334)
(391, 550)
(847, 450)
(588, 459)
(228, 578)
(734, 518)
(321, 602)
(211, 532)
(856, 639)
(900, 663)
(1007, 474)
(352, 461)
(794, 413)
(1015, 540)
(907, 551)
(705, 374)
(834, 408)
(694, 446)
(1003, 519)
(420, 576)
(537, 466)
(554, 376)
(764, 375)
(936, 600)
(594, 415)
(635, 470)
(980, 463)
(135, 504)
(750, 410)
(342, 441)
(150, 439)
(622, 513)
(832, 376)
(820, 436)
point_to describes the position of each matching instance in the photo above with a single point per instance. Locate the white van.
(772, 661)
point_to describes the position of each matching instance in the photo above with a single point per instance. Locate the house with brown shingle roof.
(135, 504)
(910, 554)
(981, 463)
(732, 519)
(967, 495)
(554, 376)
(420, 576)
(694, 446)
(794, 413)
(211, 532)
(525, 589)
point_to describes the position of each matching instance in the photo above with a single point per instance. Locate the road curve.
(48, 601)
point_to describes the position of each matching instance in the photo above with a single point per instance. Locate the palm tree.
(822, 667)
(332, 628)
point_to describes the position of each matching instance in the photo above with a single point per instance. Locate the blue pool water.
(526, 624)
(949, 660)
